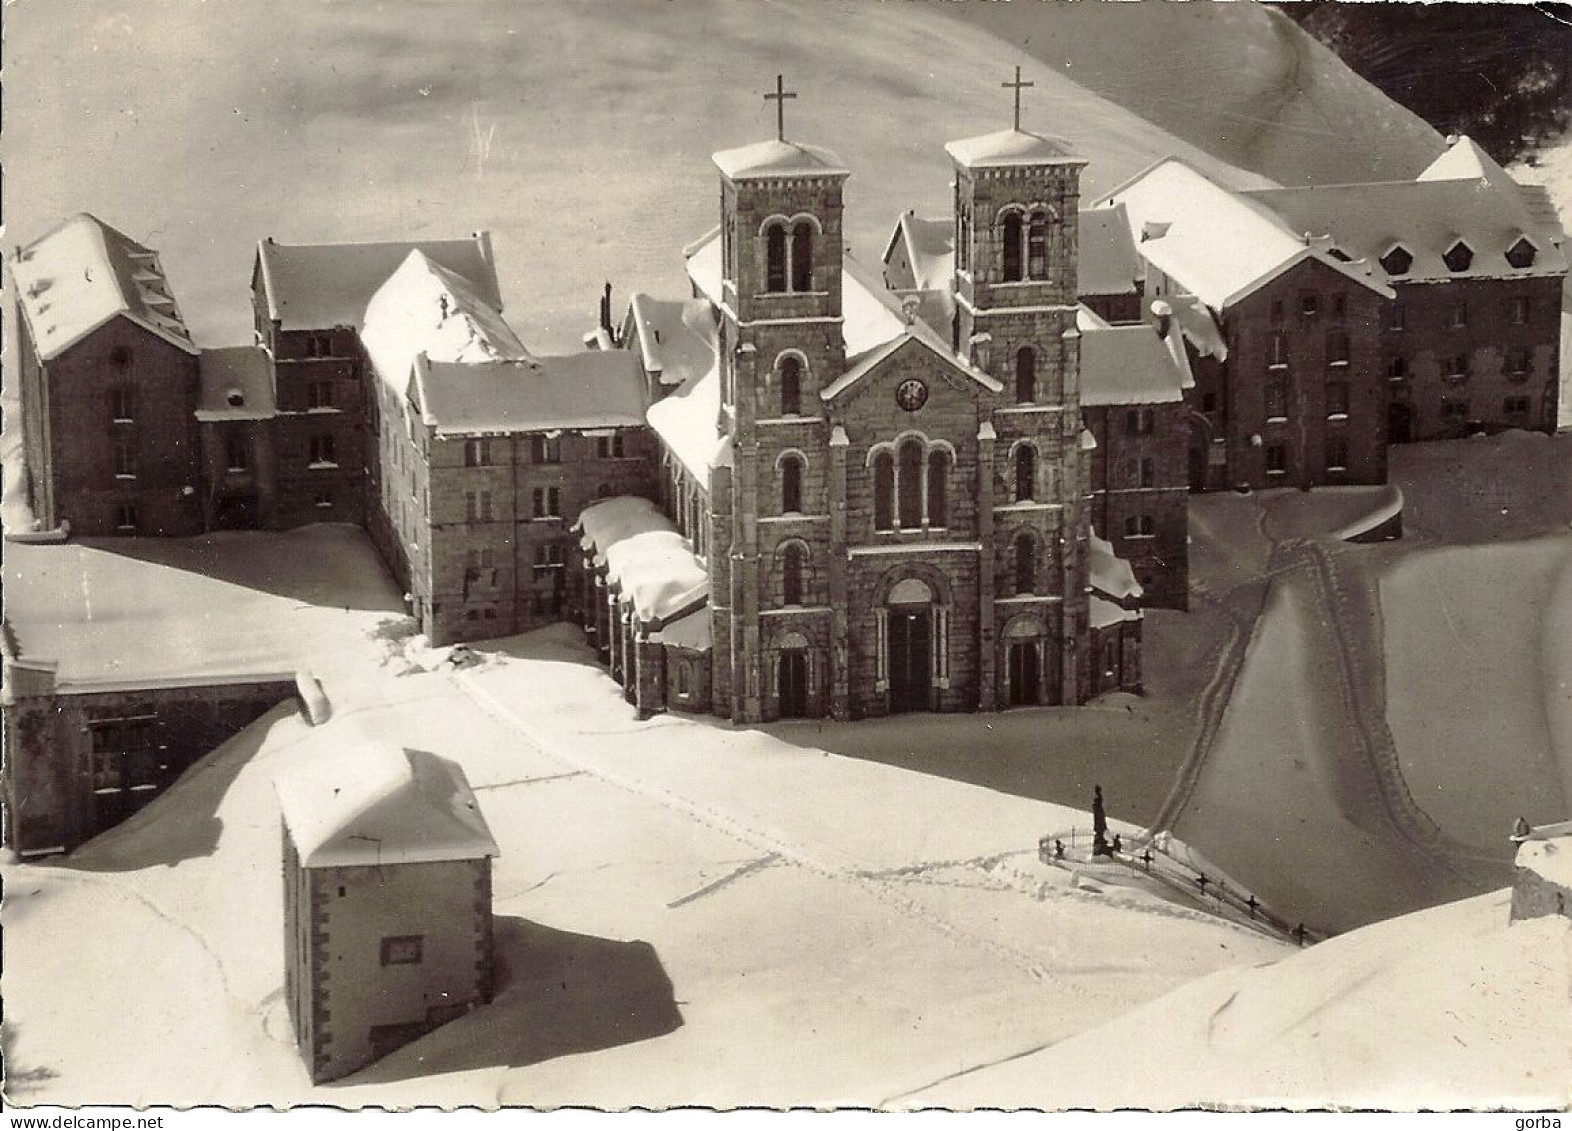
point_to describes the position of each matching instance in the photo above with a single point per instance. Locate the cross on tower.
(1017, 86)
(779, 98)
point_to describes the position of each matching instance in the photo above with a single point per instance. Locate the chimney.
(605, 310)
(1165, 318)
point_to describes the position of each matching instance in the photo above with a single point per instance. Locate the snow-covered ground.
(687, 914)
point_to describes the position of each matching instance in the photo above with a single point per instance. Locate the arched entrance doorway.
(909, 646)
(791, 679)
(1023, 645)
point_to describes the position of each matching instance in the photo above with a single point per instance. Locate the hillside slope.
(580, 134)
(1241, 81)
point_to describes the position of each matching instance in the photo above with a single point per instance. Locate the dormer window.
(1459, 257)
(1397, 261)
(1521, 254)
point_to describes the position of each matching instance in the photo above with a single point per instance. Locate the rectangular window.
(324, 500)
(1148, 473)
(1138, 421)
(122, 404)
(1520, 308)
(1277, 352)
(1138, 526)
(319, 395)
(1276, 459)
(125, 517)
(1515, 406)
(1459, 318)
(237, 453)
(1455, 367)
(1396, 316)
(1337, 453)
(1397, 368)
(609, 447)
(477, 506)
(1276, 398)
(1337, 399)
(1516, 363)
(1455, 409)
(1277, 310)
(1309, 305)
(1340, 306)
(547, 502)
(319, 345)
(322, 452)
(545, 449)
(403, 950)
(125, 456)
(477, 453)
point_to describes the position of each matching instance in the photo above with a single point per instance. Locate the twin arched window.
(911, 487)
(788, 257)
(1025, 245)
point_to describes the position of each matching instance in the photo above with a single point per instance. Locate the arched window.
(775, 258)
(1037, 247)
(884, 491)
(938, 488)
(1026, 374)
(910, 480)
(791, 485)
(791, 573)
(1025, 564)
(1025, 473)
(791, 386)
(802, 256)
(1012, 248)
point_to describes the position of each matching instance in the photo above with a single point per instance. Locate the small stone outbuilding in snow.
(387, 903)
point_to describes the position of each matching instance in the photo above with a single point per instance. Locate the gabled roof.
(371, 804)
(1219, 244)
(237, 384)
(320, 286)
(916, 335)
(778, 159)
(674, 339)
(930, 253)
(1110, 574)
(1107, 262)
(1011, 147)
(83, 273)
(593, 389)
(1426, 217)
(425, 308)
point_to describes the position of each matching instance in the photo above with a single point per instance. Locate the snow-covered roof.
(83, 273)
(1127, 365)
(319, 286)
(1199, 326)
(367, 803)
(930, 253)
(1106, 261)
(656, 573)
(592, 389)
(1548, 857)
(1220, 245)
(1103, 613)
(675, 339)
(651, 566)
(695, 632)
(237, 384)
(1111, 575)
(423, 307)
(779, 159)
(1012, 147)
(1427, 217)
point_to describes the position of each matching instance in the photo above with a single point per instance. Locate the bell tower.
(1016, 228)
(780, 340)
